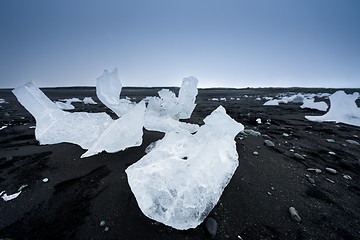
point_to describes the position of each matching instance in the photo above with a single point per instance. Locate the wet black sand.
(83, 192)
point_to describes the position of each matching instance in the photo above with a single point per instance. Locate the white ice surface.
(183, 176)
(167, 104)
(2, 100)
(343, 109)
(89, 100)
(165, 124)
(6, 197)
(108, 89)
(310, 103)
(54, 125)
(123, 133)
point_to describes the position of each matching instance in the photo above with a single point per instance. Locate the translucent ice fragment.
(6, 197)
(167, 104)
(183, 176)
(310, 103)
(54, 125)
(108, 89)
(124, 132)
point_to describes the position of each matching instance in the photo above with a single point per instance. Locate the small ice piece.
(215, 99)
(272, 102)
(258, 99)
(310, 103)
(223, 99)
(108, 89)
(182, 178)
(89, 100)
(22, 187)
(330, 140)
(258, 120)
(6, 197)
(54, 125)
(64, 105)
(123, 133)
(3, 127)
(2, 100)
(343, 109)
(102, 223)
(45, 180)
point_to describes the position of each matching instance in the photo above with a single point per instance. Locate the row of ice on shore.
(182, 176)
(343, 107)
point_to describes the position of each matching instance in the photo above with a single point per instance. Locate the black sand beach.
(81, 193)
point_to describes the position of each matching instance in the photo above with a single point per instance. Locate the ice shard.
(187, 97)
(108, 89)
(310, 103)
(123, 133)
(54, 125)
(343, 109)
(183, 176)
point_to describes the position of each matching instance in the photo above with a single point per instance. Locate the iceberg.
(54, 125)
(181, 178)
(310, 103)
(343, 109)
(108, 89)
(123, 133)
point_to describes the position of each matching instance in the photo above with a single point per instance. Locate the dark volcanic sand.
(83, 192)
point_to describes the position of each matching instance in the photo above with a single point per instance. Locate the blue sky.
(254, 43)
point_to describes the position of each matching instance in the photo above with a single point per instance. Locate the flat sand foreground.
(81, 193)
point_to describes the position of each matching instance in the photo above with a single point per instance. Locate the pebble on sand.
(311, 180)
(211, 226)
(102, 223)
(299, 156)
(329, 180)
(294, 214)
(314, 170)
(106, 229)
(352, 142)
(331, 170)
(255, 153)
(347, 177)
(269, 143)
(330, 140)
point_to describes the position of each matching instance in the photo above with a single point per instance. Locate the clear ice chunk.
(167, 104)
(310, 103)
(108, 89)
(343, 109)
(54, 125)
(183, 175)
(123, 133)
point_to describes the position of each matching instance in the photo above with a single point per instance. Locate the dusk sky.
(254, 43)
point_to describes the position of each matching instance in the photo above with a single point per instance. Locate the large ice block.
(54, 125)
(183, 176)
(343, 109)
(123, 133)
(108, 89)
(310, 103)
